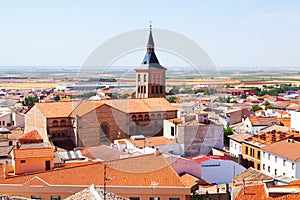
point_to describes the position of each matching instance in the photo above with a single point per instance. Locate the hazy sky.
(234, 33)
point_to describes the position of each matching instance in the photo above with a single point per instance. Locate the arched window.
(104, 133)
(63, 122)
(139, 77)
(146, 117)
(159, 116)
(165, 116)
(152, 116)
(145, 78)
(140, 118)
(55, 123)
(133, 118)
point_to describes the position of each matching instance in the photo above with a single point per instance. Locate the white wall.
(281, 169)
(235, 148)
(220, 171)
(295, 119)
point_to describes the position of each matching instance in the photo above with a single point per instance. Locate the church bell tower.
(150, 75)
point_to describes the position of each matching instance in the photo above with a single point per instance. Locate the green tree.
(124, 96)
(29, 101)
(172, 99)
(56, 98)
(243, 96)
(133, 95)
(267, 105)
(227, 131)
(255, 108)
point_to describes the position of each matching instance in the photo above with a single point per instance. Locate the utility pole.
(104, 180)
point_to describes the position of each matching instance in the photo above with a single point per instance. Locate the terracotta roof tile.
(31, 135)
(257, 192)
(151, 141)
(57, 109)
(189, 180)
(126, 105)
(262, 121)
(33, 153)
(251, 174)
(126, 173)
(288, 149)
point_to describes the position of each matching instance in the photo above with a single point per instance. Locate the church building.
(92, 123)
(150, 75)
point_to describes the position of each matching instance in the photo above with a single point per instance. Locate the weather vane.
(150, 22)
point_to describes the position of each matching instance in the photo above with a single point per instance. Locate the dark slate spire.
(150, 56)
(150, 40)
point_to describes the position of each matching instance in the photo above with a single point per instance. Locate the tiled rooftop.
(288, 149)
(33, 153)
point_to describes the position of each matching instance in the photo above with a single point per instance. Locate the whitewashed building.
(282, 159)
(253, 124)
(235, 143)
(295, 119)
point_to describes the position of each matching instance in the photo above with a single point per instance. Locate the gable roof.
(57, 109)
(288, 149)
(125, 105)
(252, 174)
(262, 121)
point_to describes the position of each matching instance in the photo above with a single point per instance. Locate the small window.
(146, 117)
(55, 123)
(264, 154)
(133, 118)
(152, 116)
(293, 165)
(55, 198)
(283, 174)
(139, 77)
(269, 168)
(172, 131)
(145, 78)
(154, 198)
(240, 148)
(172, 198)
(246, 150)
(234, 146)
(134, 198)
(63, 123)
(276, 159)
(283, 162)
(140, 117)
(158, 116)
(258, 155)
(264, 166)
(23, 161)
(3, 122)
(269, 156)
(36, 197)
(258, 166)
(275, 171)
